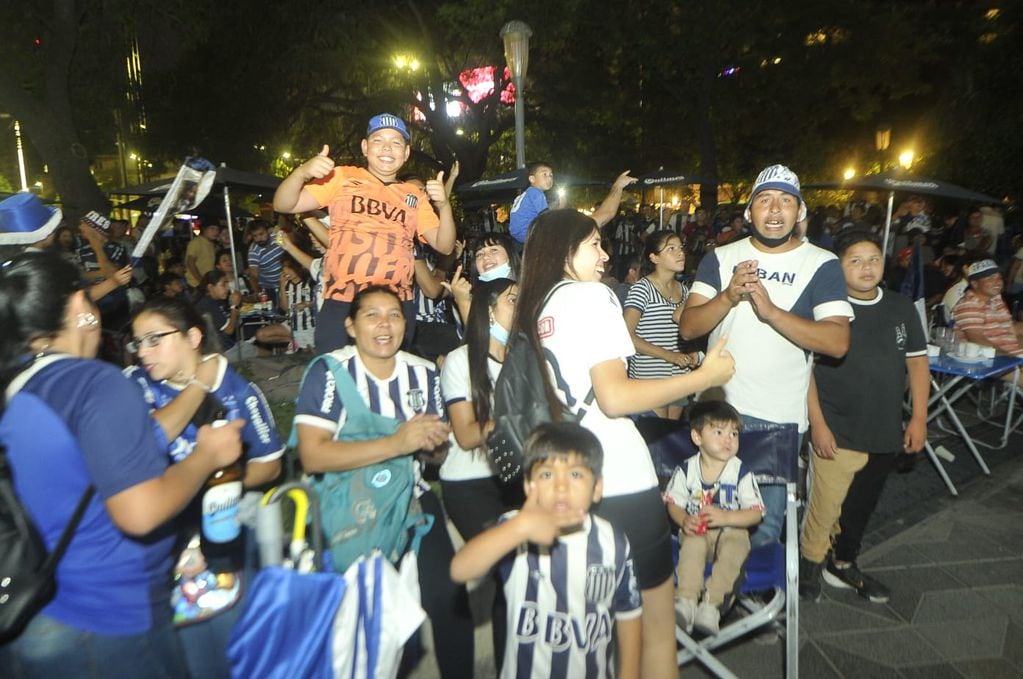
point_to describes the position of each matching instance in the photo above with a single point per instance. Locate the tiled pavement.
(954, 565)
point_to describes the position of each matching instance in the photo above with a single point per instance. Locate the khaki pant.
(830, 481)
(727, 548)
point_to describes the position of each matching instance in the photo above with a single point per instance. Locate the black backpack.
(520, 405)
(27, 581)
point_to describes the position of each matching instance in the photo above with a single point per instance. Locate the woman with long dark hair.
(652, 307)
(574, 323)
(474, 498)
(109, 616)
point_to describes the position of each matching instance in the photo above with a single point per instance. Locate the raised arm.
(140, 509)
(617, 395)
(531, 524)
(607, 210)
(443, 238)
(318, 230)
(828, 336)
(175, 416)
(290, 196)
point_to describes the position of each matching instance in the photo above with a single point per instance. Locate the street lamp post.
(516, 36)
(21, 156)
(882, 140)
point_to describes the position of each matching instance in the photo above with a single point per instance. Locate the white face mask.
(498, 332)
(499, 271)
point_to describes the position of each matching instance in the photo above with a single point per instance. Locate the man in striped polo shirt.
(264, 260)
(981, 316)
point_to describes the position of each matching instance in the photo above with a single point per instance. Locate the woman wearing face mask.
(586, 336)
(109, 616)
(473, 497)
(494, 256)
(651, 309)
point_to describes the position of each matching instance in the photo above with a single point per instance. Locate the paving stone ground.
(954, 565)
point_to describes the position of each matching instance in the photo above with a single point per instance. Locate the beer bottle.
(221, 534)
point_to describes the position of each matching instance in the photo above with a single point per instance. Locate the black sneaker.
(852, 577)
(810, 580)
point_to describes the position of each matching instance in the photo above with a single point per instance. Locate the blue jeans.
(49, 648)
(769, 529)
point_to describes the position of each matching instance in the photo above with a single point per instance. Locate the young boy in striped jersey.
(715, 499)
(567, 573)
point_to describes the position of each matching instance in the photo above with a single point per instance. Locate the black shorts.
(643, 518)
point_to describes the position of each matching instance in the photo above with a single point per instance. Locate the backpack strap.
(590, 396)
(16, 385)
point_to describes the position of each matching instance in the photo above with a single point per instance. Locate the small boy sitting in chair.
(568, 578)
(714, 497)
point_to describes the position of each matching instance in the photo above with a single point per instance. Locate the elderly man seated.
(982, 317)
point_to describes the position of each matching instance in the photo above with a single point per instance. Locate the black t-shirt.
(861, 394)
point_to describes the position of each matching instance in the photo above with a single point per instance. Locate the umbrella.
(211, 206)
(507, 185)
(897, 180)
(662, 178)
(240, 180)
(226, 178)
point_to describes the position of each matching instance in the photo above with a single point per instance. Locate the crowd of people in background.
(634, 311)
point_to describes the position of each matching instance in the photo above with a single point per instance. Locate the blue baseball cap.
(387, 121)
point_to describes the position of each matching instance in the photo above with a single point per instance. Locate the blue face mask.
(498, 332)
(500, 271)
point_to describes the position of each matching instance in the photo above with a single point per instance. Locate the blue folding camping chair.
(770, 450)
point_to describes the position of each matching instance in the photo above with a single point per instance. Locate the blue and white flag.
(191, 185)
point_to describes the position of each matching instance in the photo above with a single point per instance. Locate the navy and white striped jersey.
(413, 387)
(564, 600)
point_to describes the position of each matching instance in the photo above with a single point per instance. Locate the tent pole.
(660, 223)
(234, 262)
(888, 222)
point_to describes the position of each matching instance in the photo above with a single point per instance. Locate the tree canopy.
(710, 88)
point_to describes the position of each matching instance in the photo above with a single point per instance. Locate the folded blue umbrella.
(286, 628)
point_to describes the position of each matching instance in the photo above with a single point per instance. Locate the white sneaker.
(686, 609)
(707, 619)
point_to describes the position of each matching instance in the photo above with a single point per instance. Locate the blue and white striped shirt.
(564, 600)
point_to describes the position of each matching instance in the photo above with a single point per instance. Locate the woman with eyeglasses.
(70, 422)
(185, 389)
(652, 307)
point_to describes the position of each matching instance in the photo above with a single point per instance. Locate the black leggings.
(446, 603)
(475, 505)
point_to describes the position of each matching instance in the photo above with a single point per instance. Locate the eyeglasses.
(151, 340)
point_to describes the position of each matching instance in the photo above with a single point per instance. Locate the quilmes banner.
(192, 183)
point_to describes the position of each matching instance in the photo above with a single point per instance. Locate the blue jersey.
(240, 398)
(563, 602)
(524, 210)
(75, 423)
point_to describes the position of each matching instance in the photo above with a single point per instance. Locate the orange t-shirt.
(372, 227)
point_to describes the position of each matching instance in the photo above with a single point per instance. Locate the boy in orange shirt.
(374, 219)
